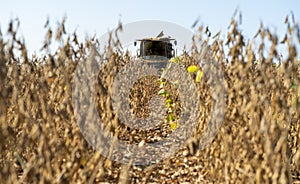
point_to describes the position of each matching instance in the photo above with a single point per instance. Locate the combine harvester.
(156, 51)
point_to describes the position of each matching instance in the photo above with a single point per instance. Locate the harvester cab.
(156, 51)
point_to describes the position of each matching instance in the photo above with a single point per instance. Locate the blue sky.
(89, 17)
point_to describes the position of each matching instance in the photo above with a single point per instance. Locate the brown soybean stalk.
(258, 141)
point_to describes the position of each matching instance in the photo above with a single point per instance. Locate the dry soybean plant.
(258, 141)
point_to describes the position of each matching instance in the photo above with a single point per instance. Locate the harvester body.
(156, 51)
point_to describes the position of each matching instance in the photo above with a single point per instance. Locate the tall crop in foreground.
(258, 141)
